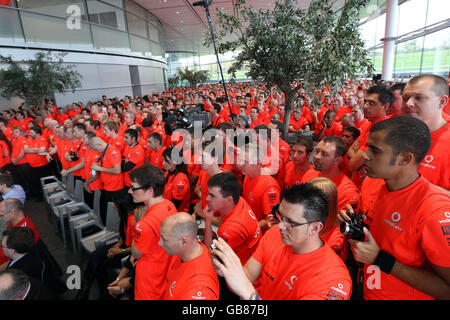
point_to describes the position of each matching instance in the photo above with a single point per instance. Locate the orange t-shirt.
(119, 143)
(4, 160)
(435, 167)
(298, 124)
(17, 147)
(291, 176)
(261, 193)
(34, 159)
(341, 112)
(335, 239)
(152, 266)
(177, 187)
(240, 230)
(411, 224)
(136, 155)
(79, 148)
(195, 279)
(362, 126)
(90, 157)
(156, 158)
(111, 182)
(336, 129)
(317, 275)
(347, 191)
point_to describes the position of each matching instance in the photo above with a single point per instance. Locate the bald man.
(109, 167)
(424, 97)
(191, 275)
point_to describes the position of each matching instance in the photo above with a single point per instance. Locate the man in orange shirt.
(239, 228)
(18, 159)
(328, 127)
(301, 150)
(75, 155)
(359, 121)
(92, 181)
(110, 129)
(327, 159)
(156, 145)
(133, 155)
(260, 190)
(35, 152)
(150, 260)
(109, 166)
(377, 101)
(407, 252)
(424, 98)
(291, 262)
(191, 275)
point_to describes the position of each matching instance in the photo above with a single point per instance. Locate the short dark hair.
(81, 126)
(148, 176)
(341, 147)
(148, 122)
(384, 93)
(313, 200)
(306, 142)
(405, 134)
(228, 184)
(21, 239)
(132, 133)
(398, 86)
(6, 178)
(36, 129)
(155, 136)
(354, 131)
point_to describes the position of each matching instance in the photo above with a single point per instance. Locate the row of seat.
(68, 212)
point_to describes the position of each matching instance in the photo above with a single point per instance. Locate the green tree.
(317, 46)
(193, 78)
(36, 79)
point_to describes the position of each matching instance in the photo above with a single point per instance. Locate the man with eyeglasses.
(151, 262)
(292, 262)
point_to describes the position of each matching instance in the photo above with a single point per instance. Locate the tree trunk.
(289, 95)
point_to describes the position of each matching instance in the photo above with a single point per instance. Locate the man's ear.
(405, 158)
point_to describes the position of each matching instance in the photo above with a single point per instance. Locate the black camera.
(74, 156)
(353, 229)
(185, 118)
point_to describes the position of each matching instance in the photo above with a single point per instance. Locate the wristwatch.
(255, 296)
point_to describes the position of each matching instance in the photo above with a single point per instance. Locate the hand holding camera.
(74, 156)
(353, 225)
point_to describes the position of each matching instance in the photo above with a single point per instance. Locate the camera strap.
(100, 159)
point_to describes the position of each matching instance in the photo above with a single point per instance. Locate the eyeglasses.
(277, 215)
(138, 188)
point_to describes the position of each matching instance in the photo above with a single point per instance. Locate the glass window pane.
(10, 29)
(436, 53)
(153, 33)
(137, 25)
(140, 46)
(106, 15)
(48, 31)
(117, 3)
(437, 11)
(59, 8)
(368, 33)
(110, 40)
(135, 9)
(411, 16)
(157, 52)
(408, 57)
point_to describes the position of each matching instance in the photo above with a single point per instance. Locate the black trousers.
(35, 175)
(20, 174)
(109, 196)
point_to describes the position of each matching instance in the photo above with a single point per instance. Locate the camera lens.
(344, 227)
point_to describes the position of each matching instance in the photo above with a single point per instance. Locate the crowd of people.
(357, 207)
